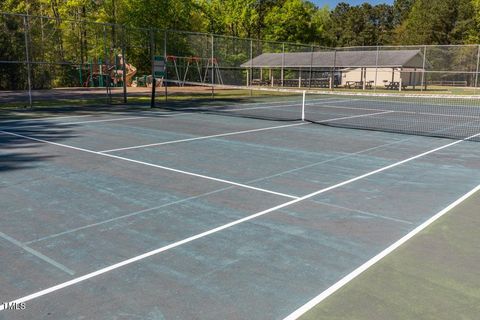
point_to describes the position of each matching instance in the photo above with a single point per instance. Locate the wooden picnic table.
(359, 84)
(394, 85)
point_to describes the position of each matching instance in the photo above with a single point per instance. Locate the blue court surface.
(191, 215)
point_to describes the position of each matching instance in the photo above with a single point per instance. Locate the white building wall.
(382, 75)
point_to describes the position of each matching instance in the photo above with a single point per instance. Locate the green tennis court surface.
(208, 211)
(434, 276)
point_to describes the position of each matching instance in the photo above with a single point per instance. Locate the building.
(391, 69)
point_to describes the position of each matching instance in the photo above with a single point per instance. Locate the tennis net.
(446, 116)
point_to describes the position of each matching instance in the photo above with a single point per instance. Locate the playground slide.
(131, 71)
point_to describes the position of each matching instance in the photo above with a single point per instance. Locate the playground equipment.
(196, 61)
(146, 81)
(196, 69)
(181, 70)
(129, 69)
(99, 74)
(94, 74)
(173, 59)
(213, 70)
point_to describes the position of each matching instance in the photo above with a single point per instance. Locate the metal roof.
(340, 59)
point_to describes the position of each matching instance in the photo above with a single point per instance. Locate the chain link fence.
(50, 61)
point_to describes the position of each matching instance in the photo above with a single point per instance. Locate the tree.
(401, 9)
(362, 25)
(436, 22)
(230, 17)
(297, 21)
(474, 32)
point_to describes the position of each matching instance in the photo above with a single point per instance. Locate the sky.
(333, 3)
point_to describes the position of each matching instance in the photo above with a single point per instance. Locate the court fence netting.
(48, 62)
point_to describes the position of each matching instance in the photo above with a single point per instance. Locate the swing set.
(195, 69)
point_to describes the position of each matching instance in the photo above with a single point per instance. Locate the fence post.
(42, 32)
(213, 67)
(424, 85)
(107, 63)
(152, 57)
(124, 64)
(476, 73)
(250, 75)
(27, 56)
(165, 82)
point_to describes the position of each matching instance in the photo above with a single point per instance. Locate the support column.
(400, 80)
(414, 78)
(300, 78)
(364, 78)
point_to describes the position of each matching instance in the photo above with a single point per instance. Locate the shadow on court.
(18, 153)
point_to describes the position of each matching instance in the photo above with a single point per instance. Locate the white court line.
(218, 229)
(325, 294)
(204, 137)
(151, 165)
(37, 254)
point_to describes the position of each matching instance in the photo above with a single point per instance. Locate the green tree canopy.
(403, 22)
(297, 21)
(437, 22)
(363, 25)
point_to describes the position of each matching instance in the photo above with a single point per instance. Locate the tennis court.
(233, 209)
